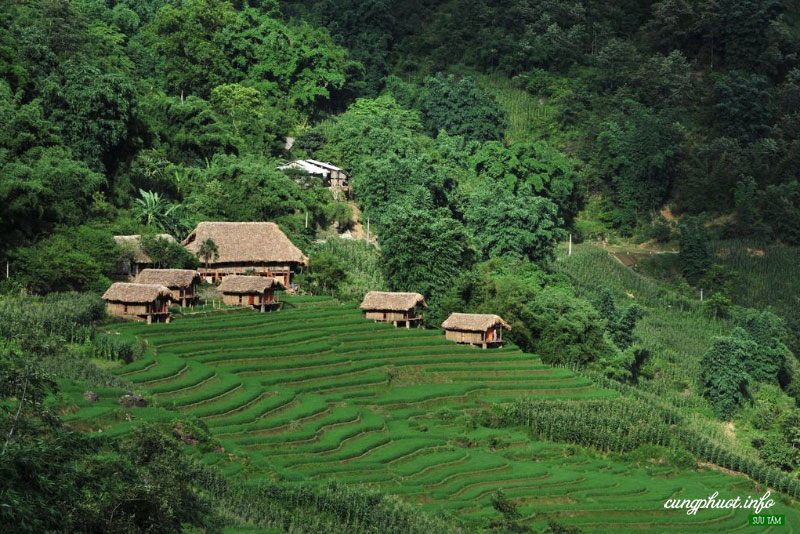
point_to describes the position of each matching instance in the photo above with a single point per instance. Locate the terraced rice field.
(320, 393)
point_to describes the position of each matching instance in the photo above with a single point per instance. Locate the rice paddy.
(318, 393)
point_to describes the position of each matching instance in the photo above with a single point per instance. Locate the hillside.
(316, 393)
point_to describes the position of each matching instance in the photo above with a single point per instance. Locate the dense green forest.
(479, 138)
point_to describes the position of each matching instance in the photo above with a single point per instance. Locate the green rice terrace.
(318, 393)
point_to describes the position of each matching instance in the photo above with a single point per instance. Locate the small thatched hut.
(246, 247)
(181, 282)
(393, 307)
(254, 291)
(137, 260)
(481, 329)
(145, 301)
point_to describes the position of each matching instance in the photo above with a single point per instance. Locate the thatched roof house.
(138, 260)
(393, 307)
(243, 247)
(475, 328)
(181, 282)
(254, 291)
(146, 301)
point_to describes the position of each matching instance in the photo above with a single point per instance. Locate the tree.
(509, 510)
(568, 330)
(71, 259)
(190, 40)
(167, 254)
(620, 323)
(154, 210)
(723, 373)
(507, 224)
(768, 357)
(531, 169)
(461, 107)
(45, 188)
(695, 260)
(423, 247)
(208, 251)
(327, 271)
(743, 105)
(637, 156)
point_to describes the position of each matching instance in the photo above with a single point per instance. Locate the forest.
(504, 156)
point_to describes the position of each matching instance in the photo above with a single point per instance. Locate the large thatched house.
(135, 259)
(181, 282)
(143, 301)
(481, 329)
(393, 307)
(254, 291)
(259, 248)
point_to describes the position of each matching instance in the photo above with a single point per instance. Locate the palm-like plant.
(208, 250)
(154, 210)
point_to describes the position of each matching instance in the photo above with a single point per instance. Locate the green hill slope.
(319, 393)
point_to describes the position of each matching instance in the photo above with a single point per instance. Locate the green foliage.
(72, 259)
(516, 225)
(44, 188)
(531, 169)
(695, 259)
(777, 453)
(166, 254)
(327, 272)
(249, 188)
(461, 107)
(361, 261)
(717, 306)
(423, 248)
(637, 155)
(724, 375)
(208, 251)
(620, 322)
(742, 105)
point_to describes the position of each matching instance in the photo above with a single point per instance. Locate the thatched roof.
(172, 278)
(474, 322)
(249, 284)
(134, 242)
(245, 242)
(383, 300)
(135, 293)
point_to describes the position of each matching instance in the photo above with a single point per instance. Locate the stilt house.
(258, 248)
(485, 330)
(181, 282)
(333, 177)
(394, 307)
(144, 301)
(257, 292)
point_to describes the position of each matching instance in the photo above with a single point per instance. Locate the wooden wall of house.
(464, 337)
(119, 309)
(235, 299)
(389, 316)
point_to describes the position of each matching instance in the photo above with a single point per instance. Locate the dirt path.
(358, 230)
